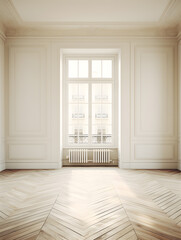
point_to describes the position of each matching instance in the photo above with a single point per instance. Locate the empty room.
(90, 119)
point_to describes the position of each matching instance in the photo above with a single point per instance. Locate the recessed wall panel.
(152, 152)
(27, 91)
(154, 109)
(27, 152)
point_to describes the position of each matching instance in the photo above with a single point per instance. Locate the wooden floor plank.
(90, 203)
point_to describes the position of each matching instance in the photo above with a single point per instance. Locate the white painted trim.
(30, 165)
(120, 37)
(2, 166)
(179, 104)
(179, 167)
(161, 28)
(86, 42)
(105, 31)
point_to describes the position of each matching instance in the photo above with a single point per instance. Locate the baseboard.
(143, 165)
(20, 165)
(126, 165)
(179, 166)
(2, 166)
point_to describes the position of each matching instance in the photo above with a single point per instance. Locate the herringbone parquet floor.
(90, 203)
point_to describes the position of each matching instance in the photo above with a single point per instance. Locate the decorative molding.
(138, 89)
(92, 31)
(23, 152)
(153, 152)
(40, 52)
(55, 29)
(17, 28)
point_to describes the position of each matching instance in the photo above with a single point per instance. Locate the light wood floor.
(90, 203)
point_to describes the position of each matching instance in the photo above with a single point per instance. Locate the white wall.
(148, 101)
(30, 139)
(2, 152)
(179, 106)
(154, 108)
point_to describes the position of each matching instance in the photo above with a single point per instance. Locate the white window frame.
(90, 81)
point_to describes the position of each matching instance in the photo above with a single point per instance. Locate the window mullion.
(90, 104)
(90, 114)
(78, 115)
(101, 109)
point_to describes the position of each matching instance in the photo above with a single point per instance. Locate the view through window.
(89, 103)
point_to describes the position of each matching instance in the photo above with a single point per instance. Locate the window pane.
(96, 134)
(106, 93)
(107, 68)
(78, 134)
(83, 68)
(83, 134)
(102, 113)
(102, 93)
(107, 134)
(78, 93)
(83, 130)
(96, 112)
(96, 130)
(74, 114)
(71, 140)
(101, 134)
(72, 129)
(83, 114)
(73, 68)
(78, 113)
(73, 93)
(73, 133)
(106, 114)
(96, 140)
(96, 68)
(101, 130)
(96, 93)
(107, 130)
(107, 139)
(83, 93)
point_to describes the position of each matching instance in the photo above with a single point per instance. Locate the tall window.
(90, 109)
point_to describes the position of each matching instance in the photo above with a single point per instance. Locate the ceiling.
(71, 17)
(90, 10)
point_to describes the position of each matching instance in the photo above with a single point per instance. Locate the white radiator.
(101, 155)
(78, 155)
